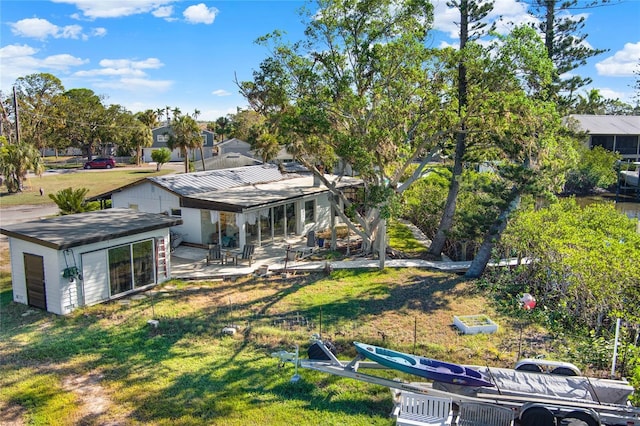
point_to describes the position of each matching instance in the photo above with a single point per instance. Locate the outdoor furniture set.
(230, 257)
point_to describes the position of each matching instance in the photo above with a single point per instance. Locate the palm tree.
(195, 115)
(185, 135)
(16, 160)
(143, 137)
(160, 113)
(222, 127)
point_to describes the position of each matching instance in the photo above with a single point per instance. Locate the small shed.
(65, 262)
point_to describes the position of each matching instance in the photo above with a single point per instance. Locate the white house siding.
(176, 155)
(95, 270)
(323, 214)
(191, 226)
(146, 197)
(63, 295)
(51, 272)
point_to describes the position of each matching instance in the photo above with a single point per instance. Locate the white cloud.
(41, 29)
(121, 68)
(70, 31)
(505, 13)
(613, 94)
(34, 28)
(163, 12)
(200, 14)
(62, 62)
(109, 72)
(220, 92)
(622, 64)
(127, 63)
(20, 60)
(136, 84)
(99, 32)
(92, 9)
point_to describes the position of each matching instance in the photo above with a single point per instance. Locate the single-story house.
(61, 263)
(161, 138)
(618, 133)
(234, 145)
(232, 207)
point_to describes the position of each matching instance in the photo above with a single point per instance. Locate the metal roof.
(62, 232)
(608, 124)
(189, 184)
(261, 194)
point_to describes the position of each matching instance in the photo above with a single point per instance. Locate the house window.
(604, 141)
(162, 138)
(229, 229)
(176, 212)
(120, 278)
(290, 215)
(130, 266)
(309, 211)
(627, 145)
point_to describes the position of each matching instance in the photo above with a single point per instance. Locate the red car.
(100, 163)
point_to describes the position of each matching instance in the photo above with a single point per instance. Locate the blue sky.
(154, 53)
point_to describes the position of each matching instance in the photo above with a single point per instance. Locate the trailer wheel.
(582, 416)
(537, 416)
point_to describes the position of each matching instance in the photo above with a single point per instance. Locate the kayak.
(433, 369)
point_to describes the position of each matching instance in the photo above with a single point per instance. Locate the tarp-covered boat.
(428, 368)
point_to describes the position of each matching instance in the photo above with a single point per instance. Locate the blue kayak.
(428, 368)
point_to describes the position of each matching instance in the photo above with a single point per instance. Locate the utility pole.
(15, 109)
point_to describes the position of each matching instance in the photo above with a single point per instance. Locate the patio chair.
(215, 254)
(481, 414)
(247, 254)
(416, 409)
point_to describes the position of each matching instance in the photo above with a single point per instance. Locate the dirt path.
(94, 401)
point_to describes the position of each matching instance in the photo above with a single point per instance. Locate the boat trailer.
(592, 413)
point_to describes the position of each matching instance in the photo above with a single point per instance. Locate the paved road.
(17, 214)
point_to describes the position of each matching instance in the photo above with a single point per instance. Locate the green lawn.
(186, 372)
(97, 181)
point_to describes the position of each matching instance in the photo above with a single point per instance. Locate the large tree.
(472, 27)
(526, 137)
(565, 44)
(84, 120)
(363, 89)
(38, 101)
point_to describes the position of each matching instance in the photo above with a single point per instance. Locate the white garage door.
(95, 277)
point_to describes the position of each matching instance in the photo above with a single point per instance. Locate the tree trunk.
(382, 247)
(491, 238)
(202, 158)
(446, 221)
(186, 160)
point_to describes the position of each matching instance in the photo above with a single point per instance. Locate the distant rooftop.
(608, 124)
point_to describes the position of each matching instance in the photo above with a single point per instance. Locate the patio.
(189, 262)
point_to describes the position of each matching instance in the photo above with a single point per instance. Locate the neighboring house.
(235, 146)
(226, 161)
(161, 138)
(59, 264)
(233, 207)
(619, 133)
